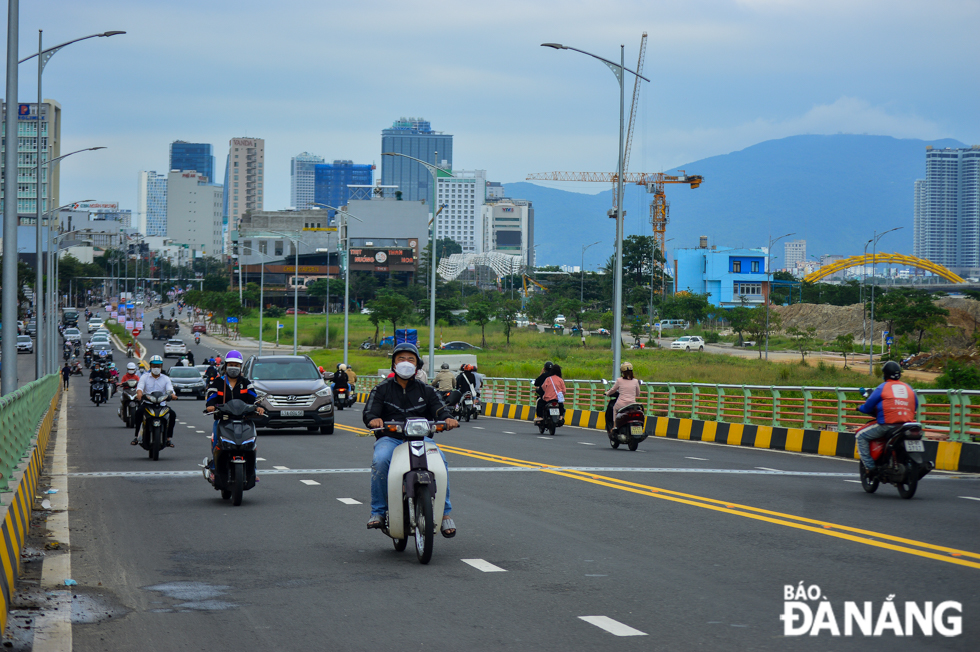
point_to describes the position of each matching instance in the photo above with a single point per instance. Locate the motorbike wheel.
(633, 444)
(424, 527)
(225, 494)
(467, 417)
(614, 443)
(238, 486)
(551, 430)
(476, 414)
(867, 483)
(400, 544)
(907, 489)
(541, 429)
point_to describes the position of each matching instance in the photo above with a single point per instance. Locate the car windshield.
(175, 342)
(72, 331)
(284, 370)
(684, 339)
(184, 372)
(23, 338)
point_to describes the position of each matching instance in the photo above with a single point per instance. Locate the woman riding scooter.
(623, 392)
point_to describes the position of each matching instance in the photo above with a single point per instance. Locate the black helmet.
(891, 370)
(407, 346)
(445, 365)
(548, 365)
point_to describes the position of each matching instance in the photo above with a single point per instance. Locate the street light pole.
(769, 283)
(342, 235)
(619, 70)
(434, 170)
(8, 303)
(581, 296)
(874, 260)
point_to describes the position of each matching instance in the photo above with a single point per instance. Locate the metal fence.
(952, 414)
(20, 413)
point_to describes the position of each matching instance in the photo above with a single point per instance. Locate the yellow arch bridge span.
(869, 259)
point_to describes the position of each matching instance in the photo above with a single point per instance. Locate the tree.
(389, 306)
(481, 313)
(363, 286)
(757, 327)
(507, 311)
(215, 282)
(845, 344)
(607, 320)
(910, 311)
(739, 319)
(322, 288)
(803, 338)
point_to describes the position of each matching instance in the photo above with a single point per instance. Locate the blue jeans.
(864, 439)
(383, 449)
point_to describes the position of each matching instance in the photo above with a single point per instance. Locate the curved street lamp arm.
(559, 46)
(47, 54)
(334, 208)
(430, 166)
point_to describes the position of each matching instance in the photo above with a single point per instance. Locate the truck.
(164, 329)
(69, 317)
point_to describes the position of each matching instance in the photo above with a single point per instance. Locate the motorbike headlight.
(249, 441)
(417, 428)
(164, 411)
(326, 391)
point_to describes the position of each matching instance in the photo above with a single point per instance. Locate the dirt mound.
(830, 321)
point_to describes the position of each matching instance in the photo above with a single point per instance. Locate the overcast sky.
(327, 77)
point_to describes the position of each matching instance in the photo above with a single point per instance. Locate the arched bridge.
(869, 259)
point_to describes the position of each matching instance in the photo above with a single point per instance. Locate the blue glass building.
(414, 137)
(198, 157)
(730, 277)
(331, 181)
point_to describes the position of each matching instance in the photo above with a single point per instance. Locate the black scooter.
(234, 461)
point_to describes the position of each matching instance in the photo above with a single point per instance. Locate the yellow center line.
(857, 535)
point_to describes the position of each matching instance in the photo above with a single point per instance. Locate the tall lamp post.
(864, 280)
(434, 170)
(252, 252)
(581, 295)
(618, 69)
(769, 283)
(344, 215)
(874, 260)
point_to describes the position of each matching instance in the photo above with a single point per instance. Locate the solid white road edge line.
(483, 565)
(52, 629)
(614, 627)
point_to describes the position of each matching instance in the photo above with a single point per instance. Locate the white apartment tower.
(151, 204)
(794, 253)
(302, 178)
(194, 207)
(947, 210)
(462, 195)
(246, 163)
(508, 228)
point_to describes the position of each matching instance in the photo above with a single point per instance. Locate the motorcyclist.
(130, 373)
(197, 338)
(129, 349)
(155, 381)
(445, 380)
(189, 359)
(97, 373)
(88, 357)
(340, 377)
(225, 388)
(539, 390)
(624, 392)
(113, 377)
(892, 402)
(351, 379)
(398, 399)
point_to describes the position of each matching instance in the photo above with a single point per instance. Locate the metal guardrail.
(952, 414)
(20, 413)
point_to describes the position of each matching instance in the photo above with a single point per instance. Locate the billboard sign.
(384, 259)
(96, 206)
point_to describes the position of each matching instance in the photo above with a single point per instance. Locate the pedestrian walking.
(66, 374)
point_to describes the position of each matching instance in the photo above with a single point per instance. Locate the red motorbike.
(899, 457)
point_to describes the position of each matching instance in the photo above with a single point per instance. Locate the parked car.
(560, 319)
(175, 348)
(94, 324)
(688, 343)
(199, 327)
(25, 344)
(292, 392)
(459, 346)
(300, 312)
(188, 381)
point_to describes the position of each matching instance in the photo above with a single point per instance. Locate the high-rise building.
(332, 181)
(508, 228)
(947, 210)
(413, 137)
(302, 180)
(194, 207)
(186, 156)
(794, 253)
(495, 190)
(244, 180)
(151, 204)
(27, 153)
(463, 195)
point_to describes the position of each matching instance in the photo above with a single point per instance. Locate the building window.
(755, 266)
(747, 289)
(263, 247)
(737, 266)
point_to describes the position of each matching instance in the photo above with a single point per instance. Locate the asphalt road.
(687, 543)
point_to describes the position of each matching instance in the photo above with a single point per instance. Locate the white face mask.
(405, 369)
(156, 371)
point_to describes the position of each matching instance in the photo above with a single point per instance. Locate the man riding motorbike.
(155, 381)
(225, 388)
(98, 373)
(444, 381)
(211, 372)
(197, 338)
(126, 377)
(400, 398)
(351, 379)
(190, 359)
(892, 402)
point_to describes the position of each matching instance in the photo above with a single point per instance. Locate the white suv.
(94, 324)
(688, 343)
(174, 348)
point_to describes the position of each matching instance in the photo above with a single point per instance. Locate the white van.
(668, 324)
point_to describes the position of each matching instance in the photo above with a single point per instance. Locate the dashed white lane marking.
(483, 565)
(854, 481)
(766, 468)
(703, 459)
(281, 468)
(259, 459)
(310, 482)
(970, 497)
(478, 428)
(507, 432)
(545, 437)
(350, 501)
(586, 443)
(614, 627)
(202, 432)
(192, 427)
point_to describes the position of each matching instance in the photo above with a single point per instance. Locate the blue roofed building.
(731, 277)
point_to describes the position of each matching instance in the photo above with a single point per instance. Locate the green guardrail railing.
(21, 412)
(952, 414)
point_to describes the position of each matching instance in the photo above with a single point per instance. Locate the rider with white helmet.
(155, 381)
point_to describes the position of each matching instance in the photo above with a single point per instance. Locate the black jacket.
(389, 401)
(224, 393)
(465, 382)
(539, 381)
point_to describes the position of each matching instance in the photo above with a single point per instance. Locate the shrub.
(712, 337)
(959, 375)
(274, 312)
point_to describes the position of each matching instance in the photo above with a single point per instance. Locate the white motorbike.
(417, 481)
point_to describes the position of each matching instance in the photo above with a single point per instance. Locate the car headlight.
(326, 391)
(259, 394)
(326, 408)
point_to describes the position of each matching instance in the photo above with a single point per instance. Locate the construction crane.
(632, 123)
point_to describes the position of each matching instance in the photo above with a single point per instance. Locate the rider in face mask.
(225, 388)
(155, 382)
(398, 399)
